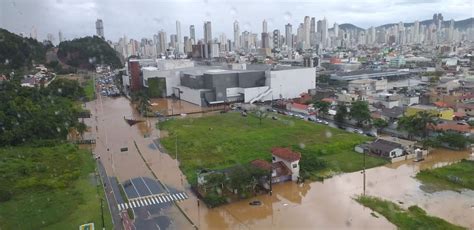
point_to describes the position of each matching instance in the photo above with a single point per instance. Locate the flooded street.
(312, 205)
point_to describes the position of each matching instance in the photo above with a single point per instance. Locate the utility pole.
(176, 149)
(364, 173)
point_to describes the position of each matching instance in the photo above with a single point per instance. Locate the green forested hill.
(17, 52)
(87, 52)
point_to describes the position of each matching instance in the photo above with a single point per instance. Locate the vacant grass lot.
(227, 139)
(452, 177)
(89, 90)
(49, 188)
(413, 218)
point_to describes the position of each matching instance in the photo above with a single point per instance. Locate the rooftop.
(286, 153)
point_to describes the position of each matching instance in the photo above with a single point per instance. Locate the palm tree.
(426, 120)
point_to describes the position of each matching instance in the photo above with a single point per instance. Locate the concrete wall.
(251, 93)
(290, 83)
(191, 95)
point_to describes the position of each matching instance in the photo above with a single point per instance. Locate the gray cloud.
(143, 18)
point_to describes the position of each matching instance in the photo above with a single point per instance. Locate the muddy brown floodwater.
(311, 205)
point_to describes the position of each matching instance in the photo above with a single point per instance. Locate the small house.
(285, 164)
(386, 148)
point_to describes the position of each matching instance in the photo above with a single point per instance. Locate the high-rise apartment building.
(192, 33)
(236, 35)
(207, 32)
(99, 27)
(288, 36)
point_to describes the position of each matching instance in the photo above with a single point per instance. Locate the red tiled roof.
(262, 164)
(299, 106)
(441, 104)
(327, 99)
(459, 114)
(466, 106)
(286, 153)
(452, 126)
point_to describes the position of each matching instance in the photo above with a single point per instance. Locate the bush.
(214, 200)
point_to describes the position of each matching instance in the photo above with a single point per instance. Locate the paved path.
(111, 197)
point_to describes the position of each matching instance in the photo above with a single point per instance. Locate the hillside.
(17, 52)
(87, 52)
(348, 26)
(461, 24)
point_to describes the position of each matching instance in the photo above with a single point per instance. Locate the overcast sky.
(143, 18)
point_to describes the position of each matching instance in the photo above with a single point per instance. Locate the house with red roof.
(298, 108)
(284, 167)
(286, 159)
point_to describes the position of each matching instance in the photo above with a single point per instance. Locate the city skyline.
(221, 15)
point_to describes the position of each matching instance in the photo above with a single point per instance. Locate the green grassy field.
(413, 218)
(452, 177)
(49, 188)
(89, 90)
(227, 139)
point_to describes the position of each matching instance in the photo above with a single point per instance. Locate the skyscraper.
(236, 35)
(276, 39)
(163, 42)
(416, 32)
(192, 33)
(99, 27)
(306, 32)
(265, 38)
(179, 40)
(60, 36)
(288, 36)
(323, 31)
(207, 32)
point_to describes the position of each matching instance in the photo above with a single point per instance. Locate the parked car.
(358, 131)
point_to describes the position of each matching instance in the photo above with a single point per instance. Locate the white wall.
(295, 171)
(190, 95)
(290, 83)
(251, 93)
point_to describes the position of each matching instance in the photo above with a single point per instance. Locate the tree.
(417, 124)
(360, 112)
(81, 128)
(341, 113)
(260, 113)
(380, 123)
(323, 107)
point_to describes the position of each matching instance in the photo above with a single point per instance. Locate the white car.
(358, 131)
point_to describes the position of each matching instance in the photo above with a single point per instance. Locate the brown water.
(324, 205)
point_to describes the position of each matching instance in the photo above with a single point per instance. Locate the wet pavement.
(310, 205)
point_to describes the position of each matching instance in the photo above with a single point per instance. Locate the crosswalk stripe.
(119, 207)
(141, 203)
(185, 195)
(133, 204)
(155, 201)
(180, 196)
(159, 198)
(145, 201)
(149, 200)
(126, 205)
(175, 197)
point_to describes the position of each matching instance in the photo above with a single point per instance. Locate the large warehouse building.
(210, 85)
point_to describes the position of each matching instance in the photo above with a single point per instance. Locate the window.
(273, 158)
(295, 166)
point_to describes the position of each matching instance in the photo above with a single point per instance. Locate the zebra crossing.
(152, 200)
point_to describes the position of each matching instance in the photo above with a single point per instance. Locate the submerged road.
(152, 205)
